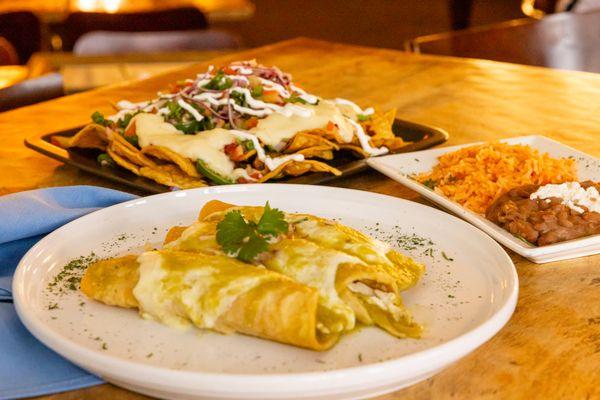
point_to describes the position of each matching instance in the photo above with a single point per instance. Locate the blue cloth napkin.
(27, 367)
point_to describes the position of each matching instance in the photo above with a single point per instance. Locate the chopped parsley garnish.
(70, 275)
(99, 119)
(246, 239)
(446, 257)
(430, 183)
(219, 82)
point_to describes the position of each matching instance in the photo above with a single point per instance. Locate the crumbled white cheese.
(572, 194)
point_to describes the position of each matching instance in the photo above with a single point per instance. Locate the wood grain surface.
(550, 349)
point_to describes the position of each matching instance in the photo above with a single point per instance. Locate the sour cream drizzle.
(190, 109)
(271, 163)
(354, 106)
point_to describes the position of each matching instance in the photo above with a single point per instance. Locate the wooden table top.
(551, 346)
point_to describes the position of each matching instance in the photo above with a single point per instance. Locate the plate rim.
(467, 341)
(537, 254)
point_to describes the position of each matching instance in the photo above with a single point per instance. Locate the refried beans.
(542, 221)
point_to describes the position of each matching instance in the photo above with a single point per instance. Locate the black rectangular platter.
(421, 137)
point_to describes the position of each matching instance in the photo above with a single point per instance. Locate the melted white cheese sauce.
(276, 129)
(193, 293)
(208, 146)
(572, 194)
(316, 267)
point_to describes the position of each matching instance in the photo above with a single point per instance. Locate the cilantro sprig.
(246, 239)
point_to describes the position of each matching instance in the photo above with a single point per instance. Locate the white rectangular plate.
(401, 167)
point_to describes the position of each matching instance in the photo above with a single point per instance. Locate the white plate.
(402, 167)
(462, 303)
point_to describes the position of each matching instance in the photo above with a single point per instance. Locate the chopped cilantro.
(99, 119)
(124, 122)
(189, 128)
(363, 117)
(175, 110)
(430, 183)
(246, 239)
(219, 82)
(239, 98)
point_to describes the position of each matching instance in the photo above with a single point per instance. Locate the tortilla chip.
(171, 175)
(174, 234)
(92, 136)
(276, 173)
(163, 153)
(356, 149)
(122, 147)
(393, 144)
(379, 126)
(296, 168)
(323, 152)
(306, 139)
(123, 162)
(333, 136)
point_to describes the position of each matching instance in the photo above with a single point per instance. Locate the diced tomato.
(331, 126)
(130, 131)
(251, 122)
(229, 71)
(242, 180)
(234, 151)
(271, 96)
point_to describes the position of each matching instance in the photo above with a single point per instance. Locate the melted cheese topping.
(276, 129)
(335, 236)
(208, 146)
(175, 289)
(316, 267)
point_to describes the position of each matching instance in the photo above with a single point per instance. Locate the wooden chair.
(178, 19)
(564, 40)
(108, 43)
(23, 30)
